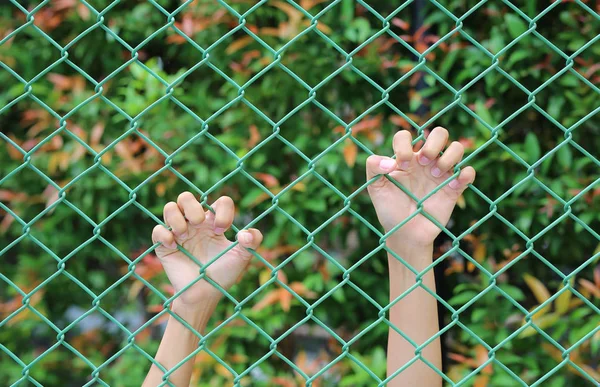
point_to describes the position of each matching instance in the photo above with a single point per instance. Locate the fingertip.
(160, 234)
(245, 238)
(402, 144)
(224, 213)
(467, 175)
(251, 238)
(191, 208)
(387, 164)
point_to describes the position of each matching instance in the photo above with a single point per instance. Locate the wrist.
(417, 255)
(197, 314)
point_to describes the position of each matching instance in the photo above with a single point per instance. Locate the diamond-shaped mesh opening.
(23, 64)
(110, 110)
(586, 24)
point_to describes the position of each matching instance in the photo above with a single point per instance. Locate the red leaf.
(401, 23)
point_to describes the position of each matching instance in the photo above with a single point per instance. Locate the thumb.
(379, 165)
(465, 177)
(248, 239)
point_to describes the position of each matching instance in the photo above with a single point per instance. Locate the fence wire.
(311, 93)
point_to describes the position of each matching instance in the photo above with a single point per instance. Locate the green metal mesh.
(203, 131)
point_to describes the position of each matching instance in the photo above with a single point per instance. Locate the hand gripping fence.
(27, 95)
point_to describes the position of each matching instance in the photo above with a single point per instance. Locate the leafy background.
(63, 109)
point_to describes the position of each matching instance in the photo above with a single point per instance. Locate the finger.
(433, 146)
(191, 208)
(224, 212)
(249, 239)
(449, 159)
(160, 234)
(378, 165)
(174, 219)
(403, 148)
(466, 177)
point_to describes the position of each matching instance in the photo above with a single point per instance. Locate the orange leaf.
(367, 124)
(254, 136)
(6, 222)
(350, 151)
(239, 44)
(175, 39)
(285, 298)
(96, 134)
(301, 289)
(50, 194)
(224, 372)
(588, 285)
(271, 298)
(60, 82)
(481, 381)
(400, 121)
(482, 356)
(83, 11)
(270, 181)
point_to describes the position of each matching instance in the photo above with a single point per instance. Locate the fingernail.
(424, 160)
(387, 164)
(245, 237)
(184, 235)
(219, 230)
(454, 184)
(172, 245)
(405, 165)
(436, 172)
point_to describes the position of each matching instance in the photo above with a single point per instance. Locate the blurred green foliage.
(205, 85)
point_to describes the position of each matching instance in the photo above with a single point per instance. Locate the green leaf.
(358, 31)
(513, 291)
(483, 113)
(462, 298)
(532, 148)
(515, 25)
(564, 156)
(555, 105)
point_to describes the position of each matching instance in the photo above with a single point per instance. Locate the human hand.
(201, 234)
(420, 173)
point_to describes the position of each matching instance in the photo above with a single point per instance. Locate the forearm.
(416, 316)
(177, 343)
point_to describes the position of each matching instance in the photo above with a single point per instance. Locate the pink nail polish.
(424, 160)
(405, 165)
(387, 164)
(219, 230)
(454, 184)
(246, 237)
(436, 172)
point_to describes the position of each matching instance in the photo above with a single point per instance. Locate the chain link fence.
(53, 147)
